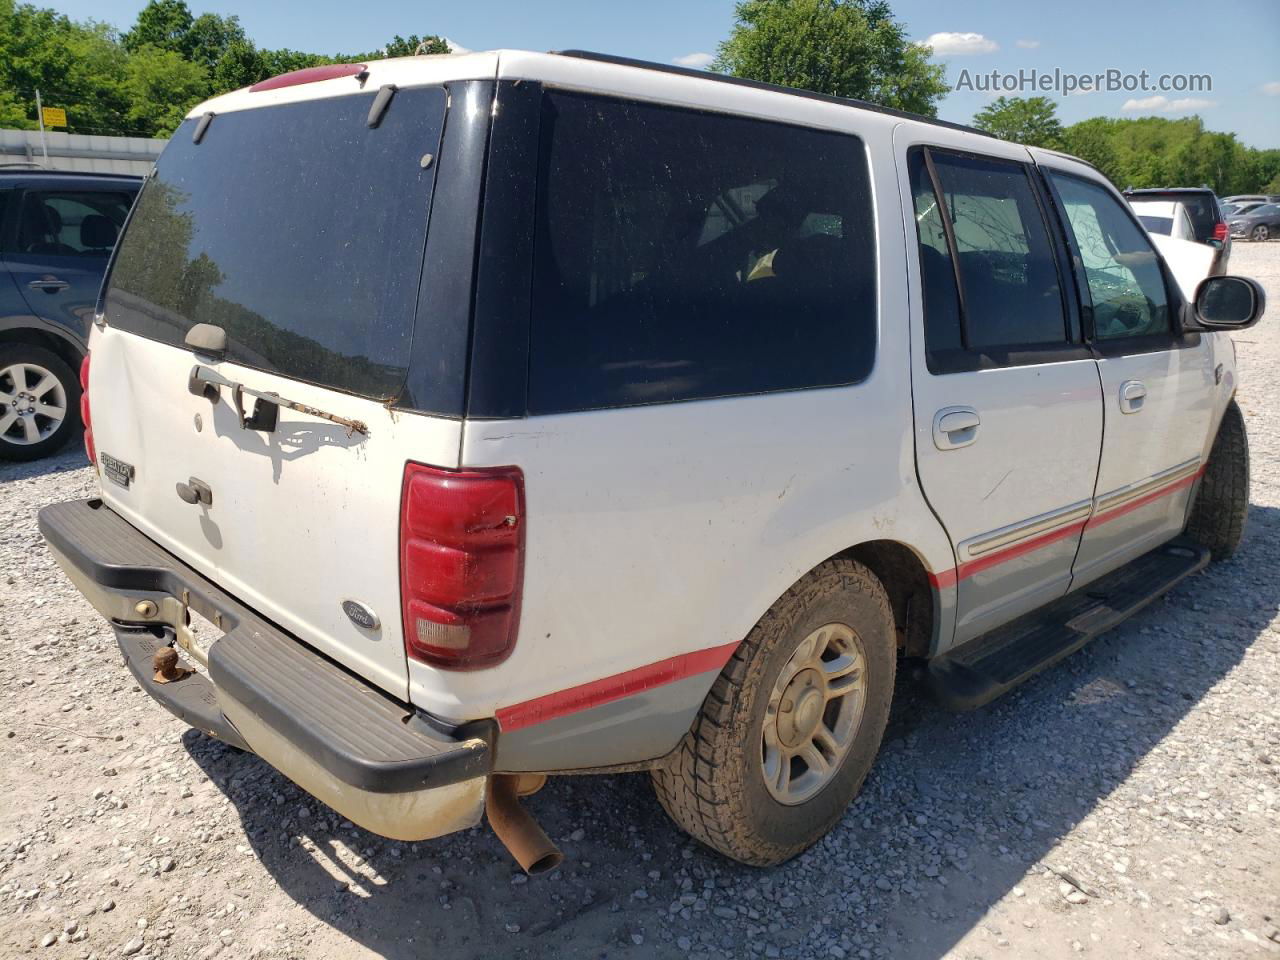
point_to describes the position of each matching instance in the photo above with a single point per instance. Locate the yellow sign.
(54, 116)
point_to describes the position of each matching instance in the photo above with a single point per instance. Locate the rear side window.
(1121, 269)
(682, 255)
(298, 229)
(995, 286)
(71, 223)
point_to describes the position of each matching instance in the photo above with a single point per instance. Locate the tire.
(37, 379)
(1260, 233)
(713, 785)
(1222, 504)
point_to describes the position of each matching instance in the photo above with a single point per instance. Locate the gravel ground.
(1126, 803)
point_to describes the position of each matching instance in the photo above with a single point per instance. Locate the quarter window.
(1123, 273)
(682, 255)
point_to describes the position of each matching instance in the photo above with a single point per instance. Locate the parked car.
(1252, 198)
(627, 420)
(1167, 217)
(56, 233)
(1260, 223)
(1230, 210)
(1208, 224)
(1189, 262)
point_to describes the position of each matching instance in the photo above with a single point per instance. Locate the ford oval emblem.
(361, 614)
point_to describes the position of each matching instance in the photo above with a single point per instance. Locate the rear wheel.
(792, 725)
(1260, 232)
(1222, 503)
(39, 402)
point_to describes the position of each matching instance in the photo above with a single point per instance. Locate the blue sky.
(1237, 42)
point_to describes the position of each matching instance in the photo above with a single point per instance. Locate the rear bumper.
(381, 764)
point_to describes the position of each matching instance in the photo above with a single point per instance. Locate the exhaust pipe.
(518, 831)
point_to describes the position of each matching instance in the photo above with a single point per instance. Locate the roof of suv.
(761, 85)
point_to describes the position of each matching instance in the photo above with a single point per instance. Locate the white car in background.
(1165, 217)
(1188, 261)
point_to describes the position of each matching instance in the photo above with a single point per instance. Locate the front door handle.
(48, 284)
(1133, 393)
(955, 427)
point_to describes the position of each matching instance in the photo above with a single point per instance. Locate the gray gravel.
(1126, 803)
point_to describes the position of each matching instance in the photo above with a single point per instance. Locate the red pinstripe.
(626, 684)
(630, 682)
(947, 578)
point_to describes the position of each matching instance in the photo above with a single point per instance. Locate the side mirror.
(1229, 303)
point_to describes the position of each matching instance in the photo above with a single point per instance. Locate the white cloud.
(1159, 104)
(958, 44)
(1028, 44)
(1271, 89)
(1189, 103)
(695, 61)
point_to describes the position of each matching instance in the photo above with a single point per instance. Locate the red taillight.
(84, 411)
(461, 564)
(1220, 232)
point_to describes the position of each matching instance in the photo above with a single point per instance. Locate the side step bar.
(977, 672)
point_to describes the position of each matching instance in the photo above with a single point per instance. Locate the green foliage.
(162, 24)
(1139, 152)
(407, 47)
(1029, 120)
(142, 82)
(846, 48)
(162, 87)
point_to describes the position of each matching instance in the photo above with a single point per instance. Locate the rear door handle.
(955, 427)
(1133, 393)
(48, 284)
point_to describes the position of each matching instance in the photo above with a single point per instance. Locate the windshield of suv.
(296, 228)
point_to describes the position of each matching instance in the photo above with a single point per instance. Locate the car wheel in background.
(39, 402)
(793, 723)
(1260, 232)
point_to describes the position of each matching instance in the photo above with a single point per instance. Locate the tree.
(1029, 120)
(210, 37)
(402, 47)
(846, 48)
(1091, 141)
(162, 87)
(239, 66)
(161, 23)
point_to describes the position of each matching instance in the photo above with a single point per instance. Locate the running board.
(982, 669)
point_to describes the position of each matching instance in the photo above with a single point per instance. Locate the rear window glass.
(1157, 224)
(682, 255)
(296, 228)
(1201, 207)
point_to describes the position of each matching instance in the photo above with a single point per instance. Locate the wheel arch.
(913, 595)
(68, 349)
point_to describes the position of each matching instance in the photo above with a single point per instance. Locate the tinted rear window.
(296, 228)
(681, 255)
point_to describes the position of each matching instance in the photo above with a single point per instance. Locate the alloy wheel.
(33, 404)
(813, 714)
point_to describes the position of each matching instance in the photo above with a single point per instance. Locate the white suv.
(511, 414)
